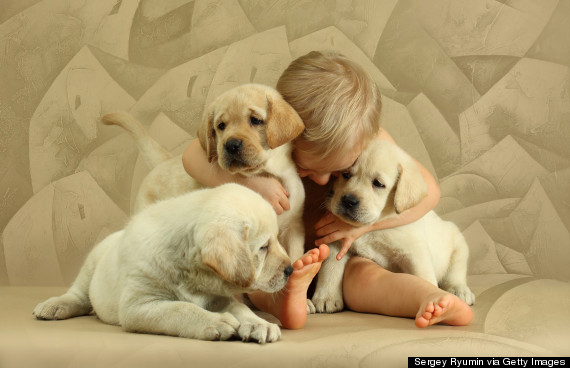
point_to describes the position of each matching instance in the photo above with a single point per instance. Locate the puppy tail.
(151, 151)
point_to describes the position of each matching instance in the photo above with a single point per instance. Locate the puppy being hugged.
(175, 269)
(247, 131)
(384, 182)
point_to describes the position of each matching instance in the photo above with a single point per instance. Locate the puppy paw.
(223, 328)
(62, 307)
(462, 292)
(261, 332)
(310, 307)
(327, 304)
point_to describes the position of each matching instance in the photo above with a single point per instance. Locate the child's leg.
(290, 304)
(369, 288)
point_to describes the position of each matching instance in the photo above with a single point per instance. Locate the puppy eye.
(346, 175)
(222, 126)
(265, 247)
(255, 121)
(377, 184)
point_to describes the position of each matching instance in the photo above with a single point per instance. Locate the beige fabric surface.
(514, 316)
(478, 91)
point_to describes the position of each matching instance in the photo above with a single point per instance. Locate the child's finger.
(284, 202)
(327, 219)
(277, 208)
(346, 243)
(327, 229)
(332, 237)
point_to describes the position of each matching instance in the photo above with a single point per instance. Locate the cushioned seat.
(514, 316)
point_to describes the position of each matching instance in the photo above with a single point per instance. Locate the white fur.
(177, 265)
(430, 248)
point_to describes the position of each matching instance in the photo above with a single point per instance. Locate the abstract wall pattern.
(477, 90)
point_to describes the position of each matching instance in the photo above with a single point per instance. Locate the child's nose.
(320, 179)
(303, 173)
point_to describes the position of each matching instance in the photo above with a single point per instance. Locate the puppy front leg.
(253, 327)
(293, 240)
(328, 294)
(177, 318)
(455, 280)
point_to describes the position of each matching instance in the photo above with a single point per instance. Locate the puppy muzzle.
(350, 202)
(233, 146)
(349, 209)
(238, 157)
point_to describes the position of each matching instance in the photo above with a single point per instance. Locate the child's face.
(318, 169)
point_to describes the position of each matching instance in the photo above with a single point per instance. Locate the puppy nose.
(288, 271)
(233, 146)
(349, 201)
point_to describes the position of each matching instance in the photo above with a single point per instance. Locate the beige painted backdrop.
(478, 91)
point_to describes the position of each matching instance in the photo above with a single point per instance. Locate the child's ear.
(207, 134)
(226, 251)
(283, 122)
(411, 187)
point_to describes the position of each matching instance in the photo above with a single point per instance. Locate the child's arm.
(195, 162)
(330, 228)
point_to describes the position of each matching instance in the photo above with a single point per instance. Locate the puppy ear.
(283, 122)
(411, 187)
(227, 253)
(207, 135)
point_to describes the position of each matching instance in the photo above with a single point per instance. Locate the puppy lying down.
(384, 182)
(175, 269)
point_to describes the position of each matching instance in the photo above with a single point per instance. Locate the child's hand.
(330, 228)
(272, 190)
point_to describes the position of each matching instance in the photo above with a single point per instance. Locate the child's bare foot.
(290, 304)
(443, 307)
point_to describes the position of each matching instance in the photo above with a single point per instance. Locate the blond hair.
(338, 101)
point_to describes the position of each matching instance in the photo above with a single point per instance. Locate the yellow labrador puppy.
(246, 130)
(175, 269)
(384, 182)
